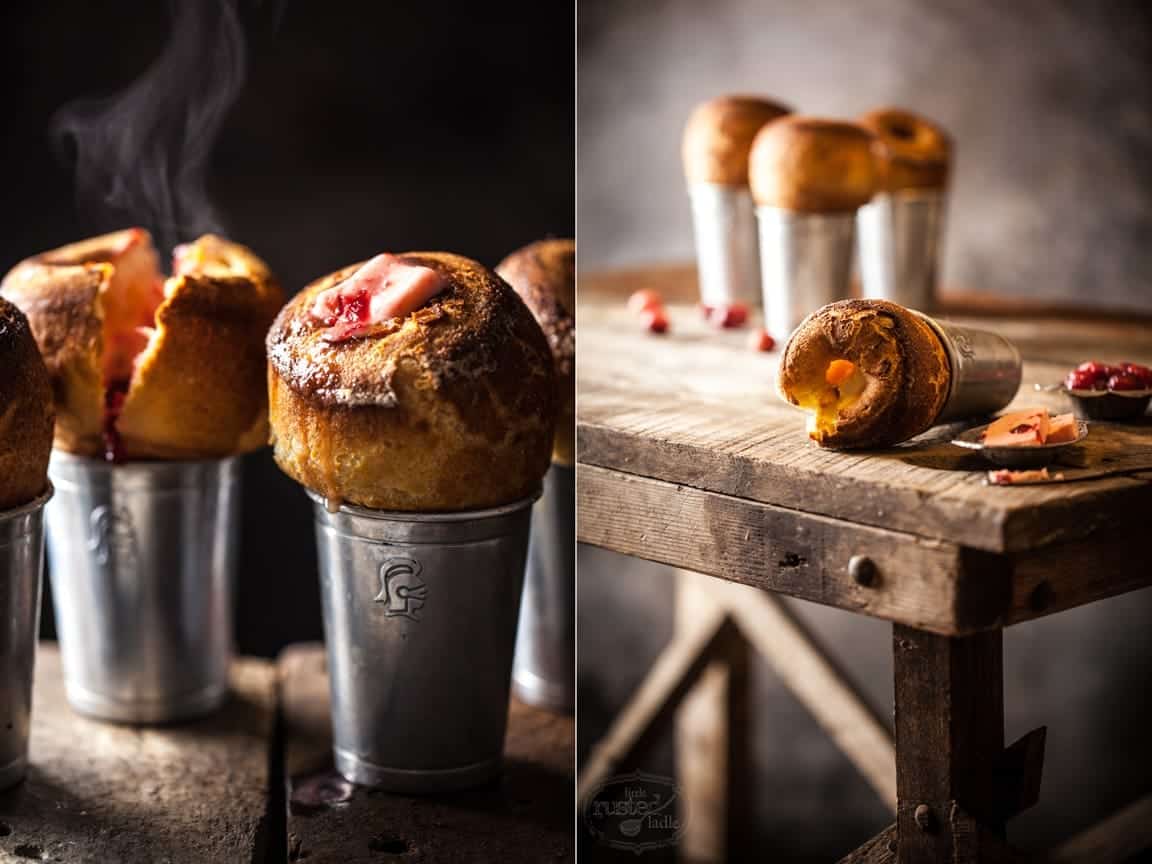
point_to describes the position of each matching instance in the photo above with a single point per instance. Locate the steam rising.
(141, 155)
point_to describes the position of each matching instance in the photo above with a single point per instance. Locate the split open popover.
(413, 382)
(144, 367)
(869, 372)
(544, 275)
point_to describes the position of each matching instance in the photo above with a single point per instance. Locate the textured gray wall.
(1050, 104)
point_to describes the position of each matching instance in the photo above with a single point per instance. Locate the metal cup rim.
(445, 517)
(94, 462)
(32, 506)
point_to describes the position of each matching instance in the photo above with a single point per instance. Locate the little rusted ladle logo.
(402, 591)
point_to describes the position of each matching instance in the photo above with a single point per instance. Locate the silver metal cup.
(143, 559)
(900, 239)
(21, 568)
(420, 617)
(986, 370)
(806, 263)
(728, 260)
(543, 671)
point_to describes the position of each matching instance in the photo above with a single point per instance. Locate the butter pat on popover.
(719, 135)
(412, 382)
(810, 165)
(144, 367)
(869, 372)
(25, 412)
(915, 152)
(544, 275)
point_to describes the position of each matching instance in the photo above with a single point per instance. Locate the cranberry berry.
(1124, 381)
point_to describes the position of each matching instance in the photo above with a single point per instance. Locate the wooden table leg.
(949, 737)
(711, 735)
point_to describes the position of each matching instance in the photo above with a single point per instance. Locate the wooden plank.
(818, 681)
(949, 696)
(711, 733)
(697, 408)
(527, 816)
(1064, 575)
(1112, 841)
(881, 849)
(657, 697)
(193, 792)
(928, 584)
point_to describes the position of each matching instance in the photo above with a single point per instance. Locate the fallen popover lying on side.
(414, 382)
(25, 412)
(147, 367)
(544, 275)
(869, 372)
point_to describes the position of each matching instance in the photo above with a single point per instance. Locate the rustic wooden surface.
(98, 792)
(949, 696)
(526, 816)
(684, 437)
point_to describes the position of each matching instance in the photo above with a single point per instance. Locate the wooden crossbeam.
(1115, 839)
(670, 677)
(819, 683)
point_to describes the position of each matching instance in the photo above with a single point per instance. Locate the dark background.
(362, 127)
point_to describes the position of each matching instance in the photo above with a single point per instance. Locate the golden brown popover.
(719, 135)
(25, 412)
(415, 382)
(871, 374)
(916, 153)
(811, 165)
(544, 275)
(144, 367)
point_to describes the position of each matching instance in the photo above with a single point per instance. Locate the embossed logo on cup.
(110, 530)
(402, 591)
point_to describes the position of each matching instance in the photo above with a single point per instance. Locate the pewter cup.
(21, 567)
(420, 617)
(900, 239)
(728, 260)
(806, 263)
(143, 559)
(543, 672)
(986, 370)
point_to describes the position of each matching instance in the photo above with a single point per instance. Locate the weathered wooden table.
(687, 457)
(253, 783)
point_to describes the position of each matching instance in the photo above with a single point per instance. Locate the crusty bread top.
(25, 412)
(719, 135)
(808, 164)
(203, 345)
(476, 330)
(544, 275)
(916, 153)
(902, 360)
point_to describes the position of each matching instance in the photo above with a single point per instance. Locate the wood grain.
(697, 408)
(712, 733)
(924, 583)
(881, 849)
(98, 792)
(525, 817)
(949, 697)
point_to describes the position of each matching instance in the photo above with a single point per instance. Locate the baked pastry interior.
(144, 366)
(412, 382)
(25, 412)
(544, 275)
(869, 373)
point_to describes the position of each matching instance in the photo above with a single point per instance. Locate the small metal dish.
(1109, 404)
(1018, 457)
